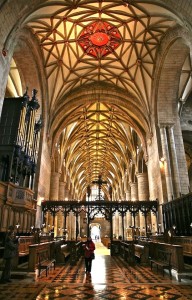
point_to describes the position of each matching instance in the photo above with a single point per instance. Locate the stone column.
(66, 193)
(176, 182)
(69, 226)
(61, 190)
(167, 166)
(54, 186)
(120, 225)
(59, 223)
(128, 194)
(73, 226)
(143, 186)
(38, 223)
(143, 194)
(116, 224)
(69, 192)
(128, 217)
(134, 197)
(54, 195)
(134, 191)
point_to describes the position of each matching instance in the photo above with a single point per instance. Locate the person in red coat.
(89, 248)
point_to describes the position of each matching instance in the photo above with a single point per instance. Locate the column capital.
(164, 125)
(62, 182)
(55, 174)
(144, 174)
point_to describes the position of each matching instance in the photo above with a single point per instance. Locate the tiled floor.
(111, 278)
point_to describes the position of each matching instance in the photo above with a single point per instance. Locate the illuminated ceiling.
(99, 142)
(88, 42)
(59, 27)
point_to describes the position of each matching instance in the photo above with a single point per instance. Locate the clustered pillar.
(143, 194)
(167, 166)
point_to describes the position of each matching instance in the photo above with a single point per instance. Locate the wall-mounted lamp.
(162, 159)
(17, 225)
(159, 228)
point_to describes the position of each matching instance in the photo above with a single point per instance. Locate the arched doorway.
(95, 231)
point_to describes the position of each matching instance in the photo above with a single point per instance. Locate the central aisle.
(111, 278)
(100, 249)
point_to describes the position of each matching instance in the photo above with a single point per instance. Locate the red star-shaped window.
(99, 39)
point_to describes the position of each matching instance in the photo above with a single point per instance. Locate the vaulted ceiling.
(69, 33)
(109, 42)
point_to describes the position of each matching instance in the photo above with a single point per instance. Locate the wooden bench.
(62, 253)
(39, 253)
(141, 252)
(186, 243)
(162, 260)
(184, 274)
(129, 253)
(76, 251)
(45, 262)
(23, 245)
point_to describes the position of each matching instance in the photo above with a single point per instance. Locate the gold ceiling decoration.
(57, 26)
(90, 42)
(99, 39)
(99, 142)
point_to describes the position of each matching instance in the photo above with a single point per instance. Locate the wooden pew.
(129, 252)
(115, 247)
(38, 250)
(176, 261)
(45, 262)
(62, 251)
(162, 260)
(23, 244)
(76, 251)
(23, 251)
(142, 253)
(186, 243)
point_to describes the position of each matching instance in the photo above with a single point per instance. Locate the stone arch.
(26, 53)
(172, 53)
(102, 93)
(169, 81)
(27, 56)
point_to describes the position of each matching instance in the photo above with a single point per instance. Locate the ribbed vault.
(58, 25)
(99, 137)
(98, 142)
(112, 45)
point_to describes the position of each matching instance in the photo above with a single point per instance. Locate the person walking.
(10, 251)
(89, 255)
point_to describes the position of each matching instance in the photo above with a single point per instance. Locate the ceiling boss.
(99, 39)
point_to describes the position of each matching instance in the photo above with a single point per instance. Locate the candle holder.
(159, 228)
(17, 226)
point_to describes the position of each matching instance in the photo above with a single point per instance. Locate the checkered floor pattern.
(111, 278)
